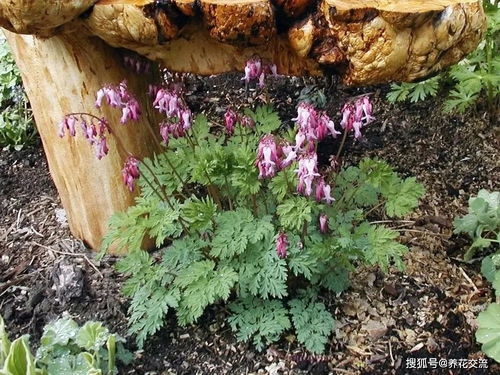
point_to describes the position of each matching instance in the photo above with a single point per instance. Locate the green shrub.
(16, 121)
(259, 244)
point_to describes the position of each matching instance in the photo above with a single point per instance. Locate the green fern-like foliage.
(262, 321)
(294, 212)
(313, 323)
(217, 225)
(414, 92)
(266, 118)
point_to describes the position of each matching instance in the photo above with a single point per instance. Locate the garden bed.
(428, 311)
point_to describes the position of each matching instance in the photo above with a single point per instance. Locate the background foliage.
(16, 120)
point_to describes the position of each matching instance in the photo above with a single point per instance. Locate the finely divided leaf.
(313, 324)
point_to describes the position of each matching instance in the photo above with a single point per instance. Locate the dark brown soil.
(382, 320)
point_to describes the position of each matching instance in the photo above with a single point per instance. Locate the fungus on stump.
(363, 41)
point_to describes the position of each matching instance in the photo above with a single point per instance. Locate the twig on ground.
(84, 256)
(469, 280)
(421, 231)
(390, 353)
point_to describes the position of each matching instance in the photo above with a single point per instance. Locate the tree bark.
(62, 75)
(364, 41)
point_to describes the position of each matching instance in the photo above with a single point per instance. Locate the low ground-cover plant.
(65, 348)
(16, 121)
(246, 215)
(482, 224)
(466, 81)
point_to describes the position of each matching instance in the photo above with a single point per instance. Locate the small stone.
(375, 329)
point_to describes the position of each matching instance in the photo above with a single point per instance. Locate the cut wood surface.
(364, 41)
(61, 75)
(40, 16)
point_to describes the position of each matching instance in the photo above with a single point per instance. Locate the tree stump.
(64, 63)
(61, 75)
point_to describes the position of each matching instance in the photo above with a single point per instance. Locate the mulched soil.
(427, 311)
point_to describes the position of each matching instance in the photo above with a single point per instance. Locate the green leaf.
(148, 309)
(4, 342)
(203, 284)
(127, 229)
(402, 197)
(20, 361)
(261, 272)
(163, 222)
(261, 229)
(313, 324)
(334, 278)
(165, 171)
(232, 234)
(459, 101)
(111, 347)
(383, 248)
(92, 336)
(301, 261)
(284, 182)
(488, 333)
(244, 177)
(398, 93)
(59, 332)
(266, 119)
(488, 269)
(199, 213)
(263, 321)
(414, 91)
(294, 212)
(482, 223)
(496, 283)
(200, 127)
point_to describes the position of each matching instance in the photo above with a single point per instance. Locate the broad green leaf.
(488, 333)
(92, 336)
(4, 342)
(59, 332)
(20, 361)
(488, 269)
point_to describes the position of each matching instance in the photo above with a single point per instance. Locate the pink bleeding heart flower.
(323, 224)
(268, 157)
(290, 156)
(186, 118)
(323, 192)
(130, 172)
(307, 172)
(230, 120)
(247, 122)
(119, 97)
(101, 147)
(282, 245)
(357, 115)
(253, 69)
